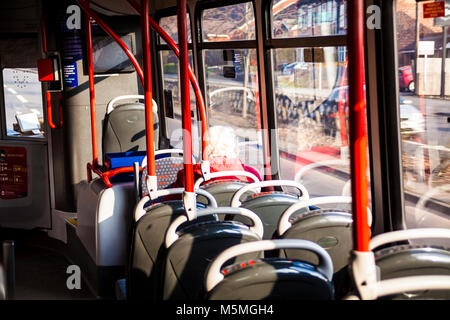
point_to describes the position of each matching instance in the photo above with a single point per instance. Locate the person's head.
(221, 142)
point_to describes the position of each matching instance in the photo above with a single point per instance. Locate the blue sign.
(70, 75)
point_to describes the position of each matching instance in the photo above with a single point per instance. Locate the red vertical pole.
(257, 104)
(194, 82)
(358, 134)
(145, 30)
(90, 67)
(185, 95)
(341, 106)
(49, 110)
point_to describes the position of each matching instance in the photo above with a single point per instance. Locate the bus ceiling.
(121, 7)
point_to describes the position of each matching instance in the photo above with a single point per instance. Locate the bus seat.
(167, 169)
(398, 261)
(124, 128)
(328, 226)
(189, 255)
(274, 278)
(145, 255)
(331, 229)
(104, 218)
(224, 184)
(223, 190)
(147, 246)
(269, 205)
(413, 260)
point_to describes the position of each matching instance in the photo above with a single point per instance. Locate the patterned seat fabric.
(166, 172)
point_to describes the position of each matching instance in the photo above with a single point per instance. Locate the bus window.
(232, 92)
(169, 25)
(310, 101)
(308, 18)
(231, 77)
(170, 83)
(234, 22)
(424, 118)
(311, 95)
(23, 103)
(170, 71)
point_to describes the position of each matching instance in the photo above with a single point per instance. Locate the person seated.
(222, 152)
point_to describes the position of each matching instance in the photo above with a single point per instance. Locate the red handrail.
(49, 110)
(94, 166)
(185, 95)
(357, 123)
(111, 33)
(166, 37)
(48, 93)
(145, 30)
(90, 65)
(192, 77)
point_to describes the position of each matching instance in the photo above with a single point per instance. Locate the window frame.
(255, 43)
(219, 45)
(3, 125)
(168, 12)
(158, 48)
(269, 45)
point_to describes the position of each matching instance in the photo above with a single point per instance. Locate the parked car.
(406, 78)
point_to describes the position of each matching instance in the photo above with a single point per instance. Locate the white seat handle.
(226, 174)
(140, 211)
(283, 221)
(406, 284)
(235, 201)
(214, 276)
(402, 235)
(111, 106)
(258, 228)
(411, 284)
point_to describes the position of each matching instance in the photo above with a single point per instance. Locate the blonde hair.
(222, 141)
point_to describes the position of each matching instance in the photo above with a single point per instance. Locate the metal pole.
(416, 63)
(9, 269)
(444, 56)
(145, 30)
(185, 95)
(358, 132)
(194, 82)
(90, 66)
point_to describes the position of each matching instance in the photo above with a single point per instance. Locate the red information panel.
(13, 172)
(434, 9)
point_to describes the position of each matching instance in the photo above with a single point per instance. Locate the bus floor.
(41, 271)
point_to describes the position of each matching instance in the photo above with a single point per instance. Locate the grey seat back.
(124, 129)
(147, 247)
(274, 279)
(269, 206)
(188, 257)
(223, 190)
(331, 229)
(408, 260)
